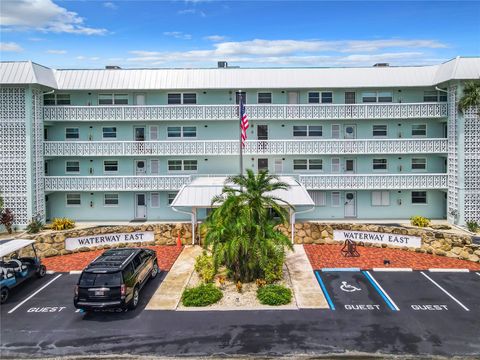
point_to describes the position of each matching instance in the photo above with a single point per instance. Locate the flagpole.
(240, 103)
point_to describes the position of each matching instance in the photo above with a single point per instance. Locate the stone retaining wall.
(435, 242)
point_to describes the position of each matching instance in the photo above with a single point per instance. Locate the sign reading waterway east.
(108, 239)
(378, 238)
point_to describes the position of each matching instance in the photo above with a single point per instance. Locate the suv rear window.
(109, 279)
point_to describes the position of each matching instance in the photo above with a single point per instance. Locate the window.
(72, 134)
(237, 97)
(120, 99)
(153, 132)
(190, 98)
(379, 130)
(109, 133)
(385, 96)
(304, 130)
(369, 97)
(174, 165)
(155, 200)
(419, 197)
(335, 165)
(381, 96)
(105, 99)
(45, 134)
(335, 198)
(56, 99)
(154, 167)
(74, 199)
(313, 97)
(110, 166)
(315, 130)
(315, 164)
(419, 130)
(327, 97)
(264, 98)
(179, 165)
(419, 164)
(379, 164)
(300, 130)
(110, 200)
(300, 164)
(380, 198)
(190, 165)
(171, 197)
(335, 131)
(319, 197)
(45, 167)
(72, 166)
(181, 131)
(179, 98)
(434, 96)
(174, 99)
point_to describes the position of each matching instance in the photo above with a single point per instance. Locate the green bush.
(274, 295)
(273, 268)
(62, 224)
(204, 267)
(201, 295)
(472, 226)
(34, 226)
(419, 221)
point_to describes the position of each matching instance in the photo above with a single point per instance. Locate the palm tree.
(471, 96)
(242, 231)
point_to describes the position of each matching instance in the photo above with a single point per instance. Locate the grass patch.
(274, 295)
(202, 295)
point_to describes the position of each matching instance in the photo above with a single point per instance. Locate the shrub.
(273, 268)
(472, 226)
(204, 267)
(6, 219)
(62, 224)
(419, 221)
(34, 226)
(274, 295)
(201, 295)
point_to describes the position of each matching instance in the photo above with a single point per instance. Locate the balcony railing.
(255, 112)
(374, 181)
(115, 183)
(253, 147)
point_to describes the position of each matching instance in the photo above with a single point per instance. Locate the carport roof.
(200, 192)
(11, 245)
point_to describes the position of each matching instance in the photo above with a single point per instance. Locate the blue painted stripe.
(389, 304)
(324, 289)
(340, 269)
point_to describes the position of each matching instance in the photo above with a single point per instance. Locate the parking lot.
(388, 291)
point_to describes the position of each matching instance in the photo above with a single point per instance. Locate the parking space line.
(324, 290)
(392, 269)
(35, 293)
(445, 291)
(478, 274)
(388, 300)
(448, 270)
(340, 269)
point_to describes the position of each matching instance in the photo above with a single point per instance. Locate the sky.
(198, 33)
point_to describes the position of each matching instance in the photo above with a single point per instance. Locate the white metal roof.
(239, 78)
(200, 192)
(12, 245)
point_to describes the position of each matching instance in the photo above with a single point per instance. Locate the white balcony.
(115, 183)
(253, 147)
(255, 112)
(374, 181)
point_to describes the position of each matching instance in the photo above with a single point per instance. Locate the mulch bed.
(166, 256)
(329, 256)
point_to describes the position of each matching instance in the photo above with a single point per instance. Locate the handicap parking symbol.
(348, 288)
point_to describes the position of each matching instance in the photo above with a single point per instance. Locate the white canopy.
(11, 245)
(200, 192)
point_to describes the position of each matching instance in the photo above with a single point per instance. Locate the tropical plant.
(419, 221)
(471, 96)
(201, 295)
(35, 225)
(473, 226)
(62, 224)
(274, 295)
(204, 267)
(6, 219)
(1, 202)
(242, 231)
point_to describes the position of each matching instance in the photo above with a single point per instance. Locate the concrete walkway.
(170, 291)
(308, 293)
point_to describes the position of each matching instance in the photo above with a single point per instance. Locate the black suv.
(114, 279)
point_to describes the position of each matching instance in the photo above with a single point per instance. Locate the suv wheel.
(42, 271)
(3, 295)
(154, 272)
(134, 302)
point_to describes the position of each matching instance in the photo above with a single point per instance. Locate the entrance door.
(140, 206)
(349, 166)
(292, 97)
(262, 134)
(350, 97)
(140, 99)
(278, 166)
(140, 167)
(350, 204)
(139, 133)
(262, 164)
(350, 132)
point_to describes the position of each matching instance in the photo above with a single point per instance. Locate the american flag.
(243, 121)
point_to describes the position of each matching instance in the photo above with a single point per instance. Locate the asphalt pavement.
(398, 313)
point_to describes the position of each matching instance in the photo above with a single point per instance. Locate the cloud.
(90, 58)
(192, 12)
(215, 38)
(178, 35)
(10, 46)
(43, 15)
(110, 5)
(36, 39)
(56, 52)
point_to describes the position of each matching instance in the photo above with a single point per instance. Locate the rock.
(298, 226)
(441, 227)
(316, 235)
(440, 252)
(85, 249)
(474, 258)
(50, 253)
(301, 233)
(325, 234)
(307, 240)
(456, 250)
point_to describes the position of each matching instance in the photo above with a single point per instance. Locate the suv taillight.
(123, 290)
(76, 290)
